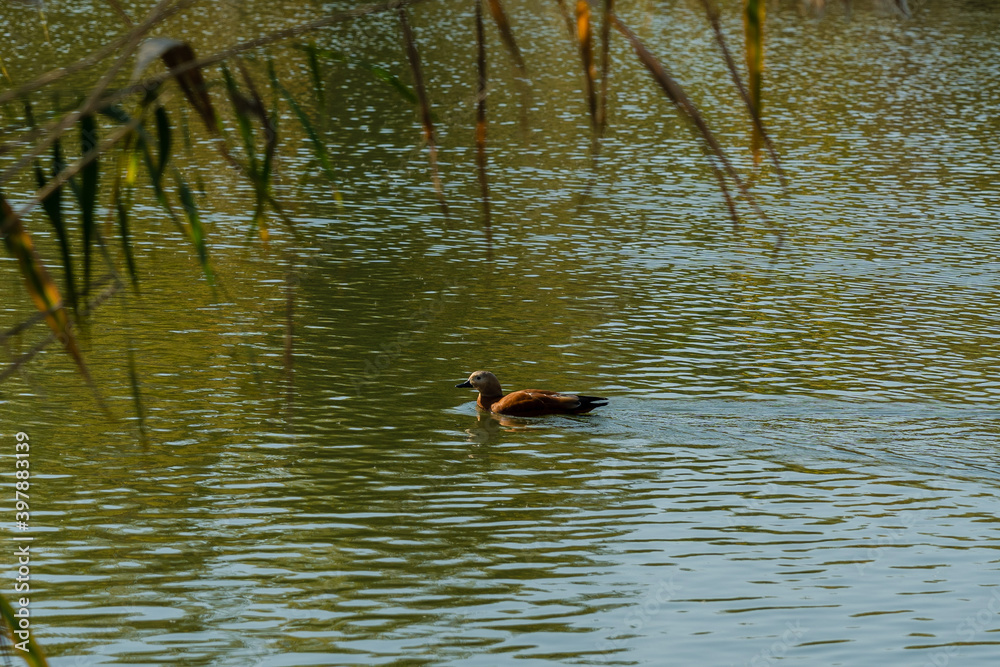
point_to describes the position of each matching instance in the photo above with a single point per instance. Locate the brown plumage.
(527, 402)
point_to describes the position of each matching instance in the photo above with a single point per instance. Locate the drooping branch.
(712, 11)
(97, 56)
(425, 106)
(95, 101)
(92, 103)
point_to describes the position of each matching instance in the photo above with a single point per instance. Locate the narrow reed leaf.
(601, 116)
(506, 33)
(319, 149)
(153, 167)
(115, 113)
(266, 172)
(680, 99)
(261, 174)
(88, 192)
(193, 84)
(484, 187)
(242, 108)
(195, 230)
(52, 205)
(315, 74)
(164, 142)
(271, 135)
(567, 19)
(131, 166)
(585, 42)
(138, 145)
(753, 27)
(29, 114)
(156, 168)
(123, 229)
(43, 19)
(425, 106)
(34, 655)
(380, 73)
(712, 11)
(673, 91)
(42, 289)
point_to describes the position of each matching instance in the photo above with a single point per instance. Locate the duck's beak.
(465, 384)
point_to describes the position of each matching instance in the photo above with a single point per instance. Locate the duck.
(527, 402)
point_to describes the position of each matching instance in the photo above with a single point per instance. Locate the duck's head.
(485, 382)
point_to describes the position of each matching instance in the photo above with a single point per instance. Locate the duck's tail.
(588, 403)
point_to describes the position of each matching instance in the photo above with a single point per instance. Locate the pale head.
(485, 382)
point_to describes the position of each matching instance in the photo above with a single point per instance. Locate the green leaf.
(380, 73)
(319, 149)
(197, 234)
(123, 228)
(88, 192)
(242, 106)
(163, 140)
(52, 205)
(41, 288)
(155, 168)
(315, 74)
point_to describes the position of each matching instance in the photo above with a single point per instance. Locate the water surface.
(799, 458)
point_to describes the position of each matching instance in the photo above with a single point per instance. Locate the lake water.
(799, 459)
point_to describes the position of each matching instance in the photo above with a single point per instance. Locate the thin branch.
(24, 325)
(272, 38)
(70, 172)
(425, 106)
(121, 12)
(45, 342)
(220, 56)
(602, 104)
(713, 16)
(680, 99)
(54, 131)
(481, 89)
(88, 61)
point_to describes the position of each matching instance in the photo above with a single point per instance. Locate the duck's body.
(527, 402)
